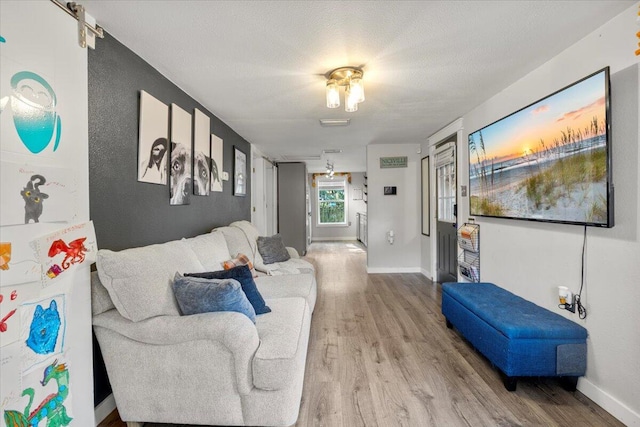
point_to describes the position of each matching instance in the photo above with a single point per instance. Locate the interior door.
(446, 230)
(309, 218)
(258, 199)
(271, 173)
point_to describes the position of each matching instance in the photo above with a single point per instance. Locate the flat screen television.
(549, 161)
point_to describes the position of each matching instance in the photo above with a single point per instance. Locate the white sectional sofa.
(212, 368)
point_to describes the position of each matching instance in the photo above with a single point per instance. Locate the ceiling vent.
(332, 151)
(334, 122)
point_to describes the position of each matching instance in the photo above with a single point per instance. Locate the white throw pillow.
(139, 279)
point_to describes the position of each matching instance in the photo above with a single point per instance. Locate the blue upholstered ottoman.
(519, 337)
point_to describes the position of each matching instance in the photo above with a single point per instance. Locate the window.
(446, 183)
(332, 206)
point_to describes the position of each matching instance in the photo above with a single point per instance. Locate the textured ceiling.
(259, 65)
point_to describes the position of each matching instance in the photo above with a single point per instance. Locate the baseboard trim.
(426, 273)
(329, 239)
(609, 403)
(376, 270)
(104, 408)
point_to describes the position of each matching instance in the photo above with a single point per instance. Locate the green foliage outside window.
(331, 206)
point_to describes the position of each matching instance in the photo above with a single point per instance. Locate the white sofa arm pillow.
(293, 253)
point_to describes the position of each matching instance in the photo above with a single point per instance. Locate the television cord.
(582, 312)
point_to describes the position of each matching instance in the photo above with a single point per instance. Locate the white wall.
(354, 206)
(425, 256)
(400, 213)
(532, 259)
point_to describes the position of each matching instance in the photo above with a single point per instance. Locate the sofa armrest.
(231, 330)
(293, 253)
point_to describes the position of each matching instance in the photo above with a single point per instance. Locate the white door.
(258, 196)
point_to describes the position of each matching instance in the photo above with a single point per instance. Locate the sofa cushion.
(139, 279)
(272, 249)
(243, 275)
(197, 295)
(291, 266)
(211, 250)
(294, 285)
(251, 234)
(238, 244)
(283, 336)
(100, 299)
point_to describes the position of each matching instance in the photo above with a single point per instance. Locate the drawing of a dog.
(180, 174)
(33, 198)
(201, 174)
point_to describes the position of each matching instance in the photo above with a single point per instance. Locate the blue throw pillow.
(243, 275)
(196, 295)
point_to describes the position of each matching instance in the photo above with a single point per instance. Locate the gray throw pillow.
(272, 249)
(197, 295)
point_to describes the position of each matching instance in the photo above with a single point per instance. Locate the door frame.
(454, 128)
(264, 197)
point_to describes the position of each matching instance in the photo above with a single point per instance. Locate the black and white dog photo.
(201, 174)
(180, 174)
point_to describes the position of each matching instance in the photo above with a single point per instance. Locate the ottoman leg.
(569, 383)
(449, 324)
(510, 383)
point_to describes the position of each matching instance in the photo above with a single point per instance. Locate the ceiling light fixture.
(351, 79)
(329, 169)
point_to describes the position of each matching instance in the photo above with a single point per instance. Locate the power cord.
(582, 312)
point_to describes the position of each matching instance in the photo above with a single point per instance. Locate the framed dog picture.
(216, 163)
(239, 172)
(152, 144)
(180, 166)
(201, 154)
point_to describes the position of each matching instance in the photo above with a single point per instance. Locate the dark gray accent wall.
(127, 213)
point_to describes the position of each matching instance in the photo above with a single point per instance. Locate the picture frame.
(217, 148)
(239, 172)
(201, 153)
(153, 134)
(426, 215)
(390, 191)
(180, 179)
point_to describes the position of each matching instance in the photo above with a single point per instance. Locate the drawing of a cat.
(33, 198)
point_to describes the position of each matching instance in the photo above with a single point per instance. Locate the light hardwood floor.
(381, 355)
